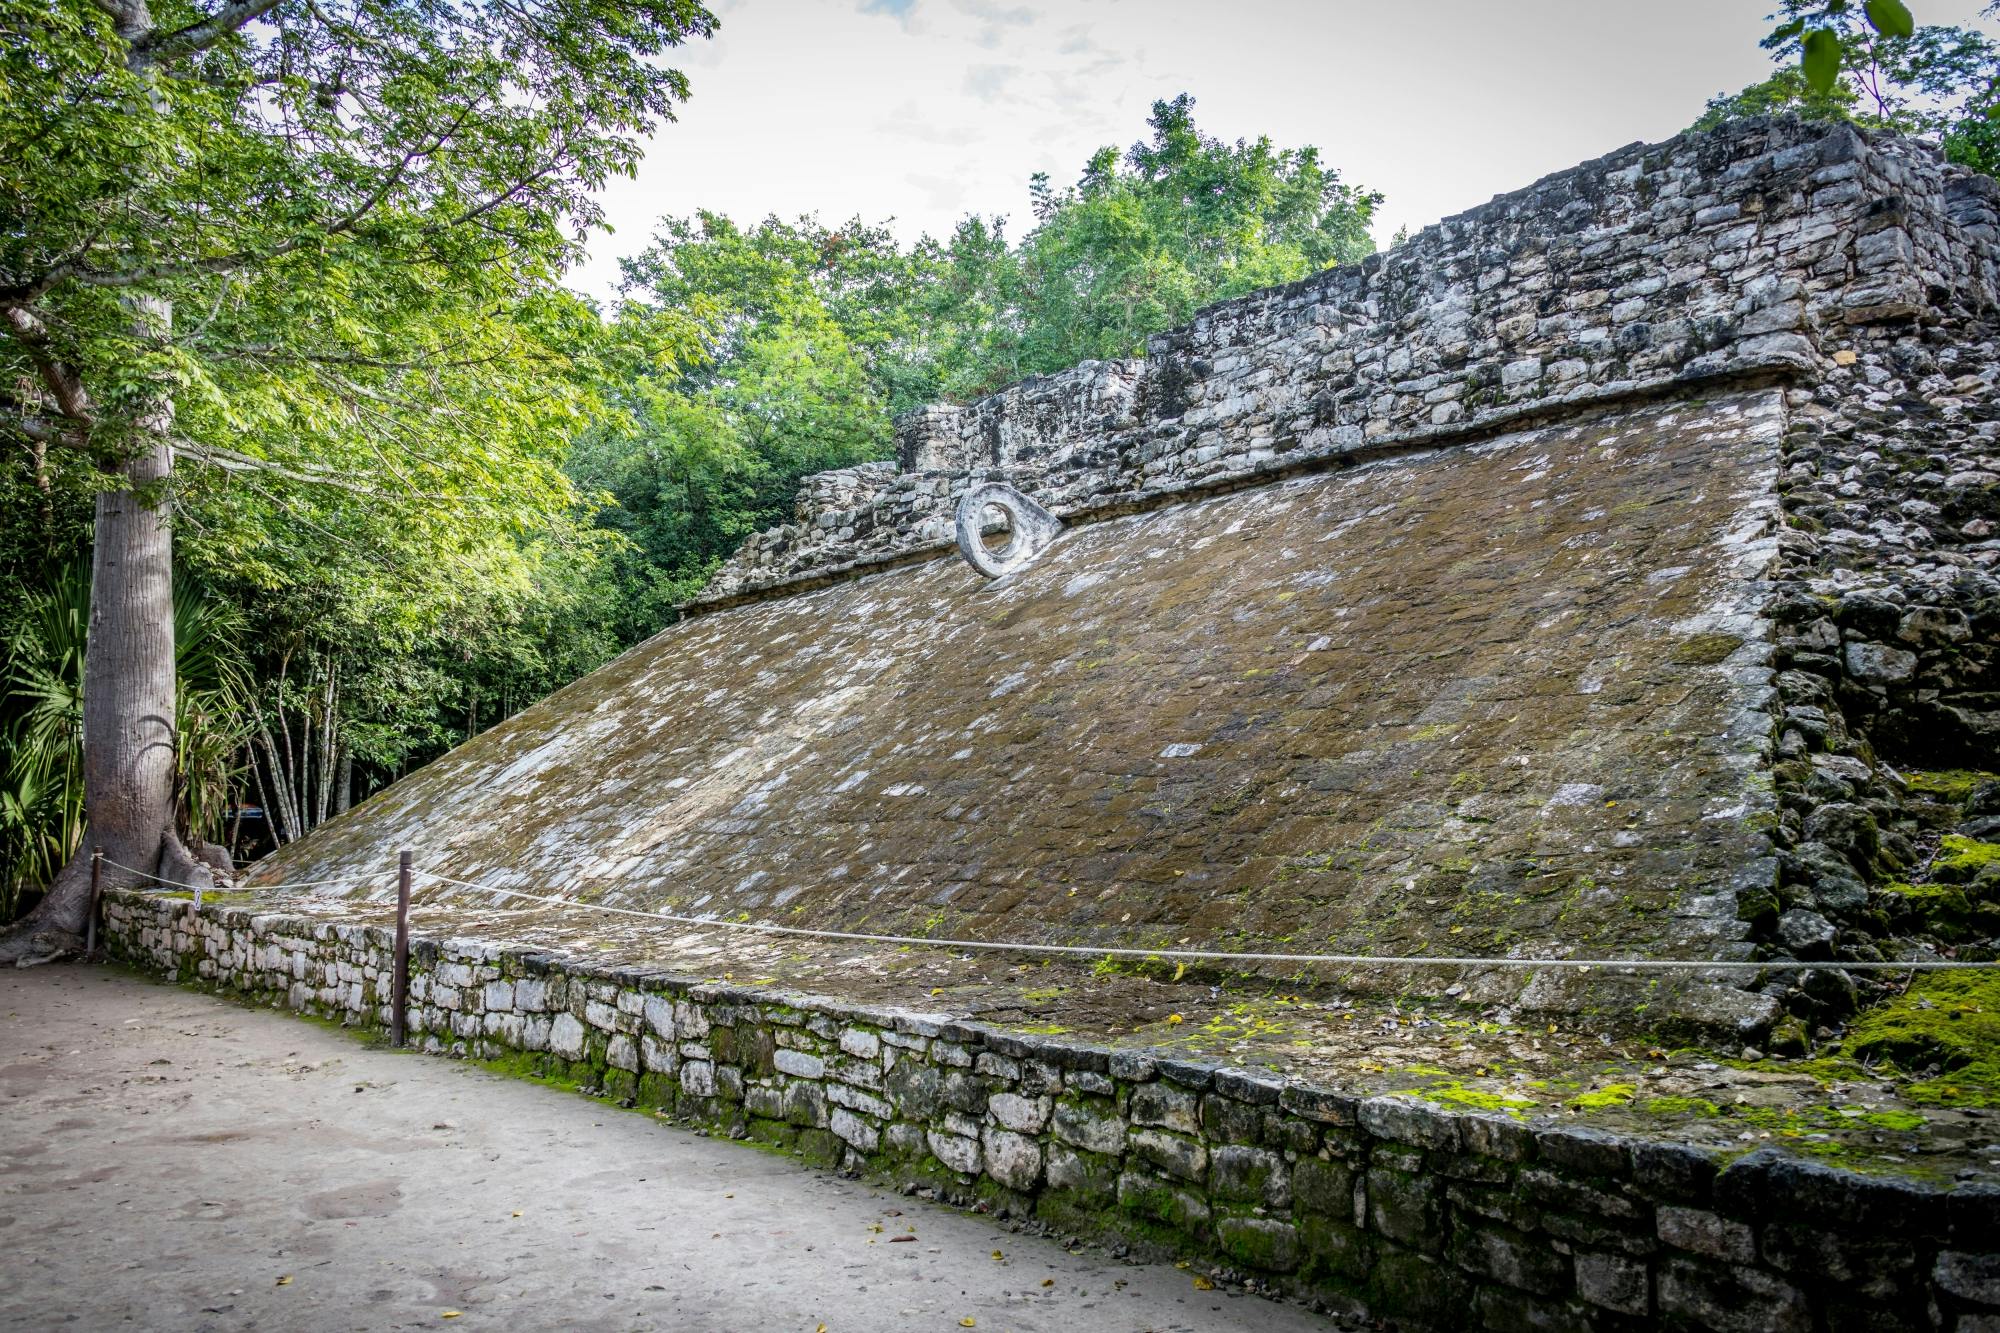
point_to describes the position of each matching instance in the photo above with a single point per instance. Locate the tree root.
(30, 945)
(59, 925)
(179, 865)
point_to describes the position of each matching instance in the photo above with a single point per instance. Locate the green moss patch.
(1948, 784)
(1960, 860)
(1947, 911)
(1946, 1030)
(1611, 1094)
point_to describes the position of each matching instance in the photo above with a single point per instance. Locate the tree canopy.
(282, 289)
(814, 337)
(1874, 65)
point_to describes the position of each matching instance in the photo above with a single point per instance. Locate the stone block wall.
(1741, 253)
(1435, 1218)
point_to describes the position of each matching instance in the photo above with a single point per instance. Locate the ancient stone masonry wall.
(1887, 609)
(1436, 1218)
(1753, 250)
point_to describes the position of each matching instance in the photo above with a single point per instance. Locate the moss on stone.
(1610, 1095)
(1960, 860)
(1946, 1030)
(1680, 1106)
(1943, 910)
(1705, 649)
(1948, 784)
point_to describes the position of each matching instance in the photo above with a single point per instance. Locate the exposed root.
(180, 866)
(31, 944)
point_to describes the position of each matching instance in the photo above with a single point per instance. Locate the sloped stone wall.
(1743, 252)
(1436, 1218)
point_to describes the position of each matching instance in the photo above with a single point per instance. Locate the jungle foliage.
(1874, 65)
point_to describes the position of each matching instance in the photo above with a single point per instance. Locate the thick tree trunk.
(128, 686)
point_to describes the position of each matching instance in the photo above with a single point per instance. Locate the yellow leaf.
(285, 1281)
(517, 1212)
(997, 1256)
(1048, 1282)
(1203, 1284)
(1180, 970)
(1175, 1018)
(451, 1314)
(937, 990)
(820, 1329)
(968, 1322)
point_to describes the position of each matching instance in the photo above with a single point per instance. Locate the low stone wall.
(1434, 1218)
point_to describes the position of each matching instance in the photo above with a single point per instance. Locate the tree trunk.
(128, 683)
(343, 794)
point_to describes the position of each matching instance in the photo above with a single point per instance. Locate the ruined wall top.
(1719, 256)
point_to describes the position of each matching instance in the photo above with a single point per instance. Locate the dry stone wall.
(1743, 252)
(1438, 1219)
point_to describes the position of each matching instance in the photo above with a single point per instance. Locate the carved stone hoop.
(1030, 529)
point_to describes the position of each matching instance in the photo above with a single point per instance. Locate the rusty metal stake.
(96, 892)
(400, 998)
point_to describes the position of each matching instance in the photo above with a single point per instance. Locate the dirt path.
(172, 1161)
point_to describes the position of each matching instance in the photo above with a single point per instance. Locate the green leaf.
(1822, 60)
(1891, 18)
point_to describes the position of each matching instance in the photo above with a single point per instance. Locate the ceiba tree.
(293, 243)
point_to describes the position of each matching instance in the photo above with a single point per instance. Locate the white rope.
(222, 888)
(1215, 955)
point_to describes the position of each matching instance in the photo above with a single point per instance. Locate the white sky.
(923, 110)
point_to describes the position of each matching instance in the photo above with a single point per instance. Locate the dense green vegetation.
(1874, 65)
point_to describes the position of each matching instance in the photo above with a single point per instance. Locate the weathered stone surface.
(1015, 1160)
(1172, 1153)
(1614, 1282)
(566, 1037)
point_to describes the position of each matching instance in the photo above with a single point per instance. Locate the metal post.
(96, 892)
(400, 997)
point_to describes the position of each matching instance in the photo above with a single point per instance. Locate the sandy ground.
(172, 1161)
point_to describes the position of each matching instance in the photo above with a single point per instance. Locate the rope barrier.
(1217, 955)
(218, 888)
(1171, 955)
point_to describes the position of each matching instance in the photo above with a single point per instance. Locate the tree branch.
(64, 385)
(157, 48)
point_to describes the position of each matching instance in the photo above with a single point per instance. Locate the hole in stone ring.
(996, 529)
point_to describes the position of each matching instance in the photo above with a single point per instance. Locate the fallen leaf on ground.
(1048, 1282)
(285, 1281)
(997, 1256)
(968, 1322)
(451, 1314)
(1203, 1284)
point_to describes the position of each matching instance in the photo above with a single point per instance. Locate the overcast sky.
(923, 110)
